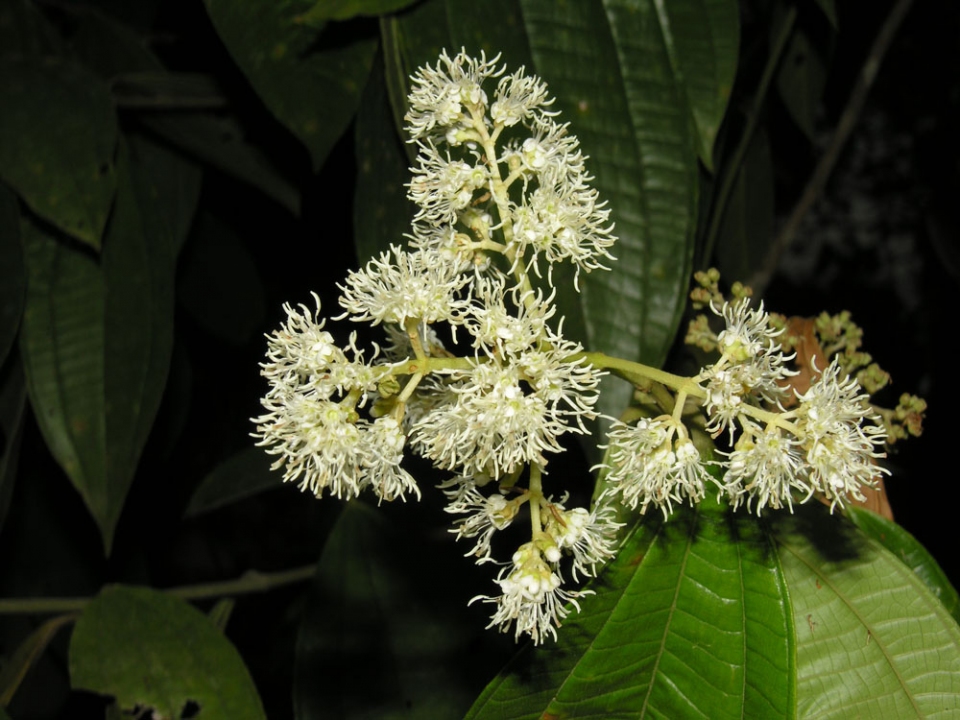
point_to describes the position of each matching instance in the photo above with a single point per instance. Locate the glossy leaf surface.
(97, 337)
(872, 641)
(690, 620)
(151, 650)
(916, 557)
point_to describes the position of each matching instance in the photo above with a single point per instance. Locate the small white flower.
(410, 286)
(317, 441)
(442, 187)
(520, 97)
(439, 94)
(485, 514)
(532, 599)
(590, 536)
(841, 435)
(645, 466)
(751, 367)
(493, 425)
(766, 468)
(384, 441)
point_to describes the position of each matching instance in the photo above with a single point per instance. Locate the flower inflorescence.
(478, 377)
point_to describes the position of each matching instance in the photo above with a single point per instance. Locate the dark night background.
(881, 242)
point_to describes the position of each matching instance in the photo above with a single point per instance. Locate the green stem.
(251, 581)
(630, 369)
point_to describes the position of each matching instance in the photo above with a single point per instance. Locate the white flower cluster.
(312, 423)
(827, 444)
(477, 376)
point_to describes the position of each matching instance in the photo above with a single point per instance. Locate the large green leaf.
(902, 544)
(702, 38)
(872, 641)
(150, 650)
(58, 133)
(690, 620)
(386, 615)
(310, 80)
(96, 338)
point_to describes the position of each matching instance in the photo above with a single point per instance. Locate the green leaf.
(703, 38)
(872, 641)
(16, 667)
(310, 81)
(801, 80)
(242, 475)
(97, 338)
(690, 620)
(612, 74)
(59, 133)
(13, 281)
(346, 9)
(386, 615)
(150, 650)
(746, 230)
(903, 545)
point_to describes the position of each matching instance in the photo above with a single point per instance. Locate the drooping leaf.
(611, 71)
(702, 39)
(872, 641)
(58, 133)
(154, 211)
(904, 546)
(62, 342)
(690, 620)
(240, 476)
(386, 615)
(150, 650)
(97, 338)
(16, 667)
(309, 78)
(13, 282)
